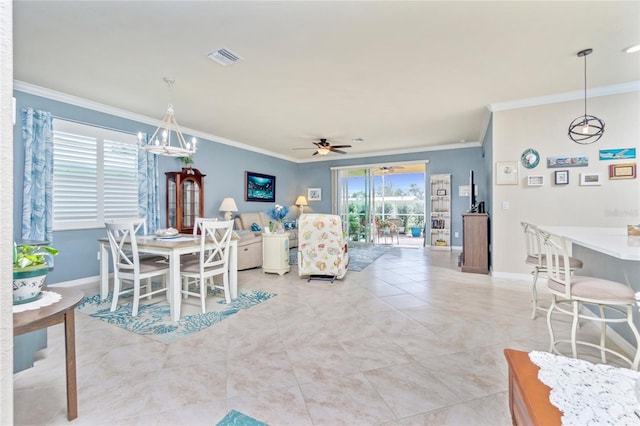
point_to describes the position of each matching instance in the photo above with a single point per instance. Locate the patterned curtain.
(37, 201)
(148, 199)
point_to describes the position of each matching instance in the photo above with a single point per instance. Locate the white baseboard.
(79, 282)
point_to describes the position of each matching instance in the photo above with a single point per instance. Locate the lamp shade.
(301, 201)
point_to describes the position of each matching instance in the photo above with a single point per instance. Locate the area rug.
(154, 320)
(360, 255)
(236, 418)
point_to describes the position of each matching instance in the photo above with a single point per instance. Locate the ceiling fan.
(388, 169)
(323, 147)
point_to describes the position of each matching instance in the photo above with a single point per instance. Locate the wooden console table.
(62, 311)
(528, 397)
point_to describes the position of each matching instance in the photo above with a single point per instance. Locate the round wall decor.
(530, 158)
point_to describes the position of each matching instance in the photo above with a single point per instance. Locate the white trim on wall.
(633, 86)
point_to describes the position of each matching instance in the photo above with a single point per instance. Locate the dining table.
(173, 248)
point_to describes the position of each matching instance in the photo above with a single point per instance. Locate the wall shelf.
(440, 212)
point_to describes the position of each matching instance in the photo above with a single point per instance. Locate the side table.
(275, 253)
(46, 316)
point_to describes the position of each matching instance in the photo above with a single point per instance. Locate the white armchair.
(322, 249)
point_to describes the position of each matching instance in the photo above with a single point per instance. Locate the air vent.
(224, 57)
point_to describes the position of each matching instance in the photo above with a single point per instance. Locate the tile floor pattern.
(410, 340)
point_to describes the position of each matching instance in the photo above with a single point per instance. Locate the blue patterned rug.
(236, 418)
(360, 255)
(154, 320)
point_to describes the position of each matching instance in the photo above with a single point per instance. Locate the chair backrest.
(557, 260)
(123, 244)
(218, 233)
(397, 223)
(321, 245)
(533, 243)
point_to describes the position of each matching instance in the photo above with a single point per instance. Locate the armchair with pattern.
(322, 248)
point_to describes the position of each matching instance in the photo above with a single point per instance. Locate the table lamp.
(228, 206)
(301, 201)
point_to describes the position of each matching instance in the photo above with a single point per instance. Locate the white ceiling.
(403, 76)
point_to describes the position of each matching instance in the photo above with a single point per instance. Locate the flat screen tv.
(472, 193)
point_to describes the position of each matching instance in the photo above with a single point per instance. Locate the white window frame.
(100, 135)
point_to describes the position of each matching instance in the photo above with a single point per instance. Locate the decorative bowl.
(169, 232)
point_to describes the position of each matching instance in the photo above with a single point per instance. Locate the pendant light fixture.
(160, 141)
(586, 129)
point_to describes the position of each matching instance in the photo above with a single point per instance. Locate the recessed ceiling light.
(633, 49)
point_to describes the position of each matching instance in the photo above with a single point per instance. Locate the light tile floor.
(410, 340)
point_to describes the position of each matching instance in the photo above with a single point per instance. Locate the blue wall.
(224, 167)
(457, 162)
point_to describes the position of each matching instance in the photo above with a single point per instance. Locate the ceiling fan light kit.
(162, 145)
(586, 129)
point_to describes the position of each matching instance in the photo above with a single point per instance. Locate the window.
(95, 175)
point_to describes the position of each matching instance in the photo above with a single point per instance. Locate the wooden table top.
(24, 322)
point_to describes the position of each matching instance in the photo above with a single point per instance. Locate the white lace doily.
(48, 298)
(589, 394)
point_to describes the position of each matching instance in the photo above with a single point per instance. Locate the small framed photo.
(507, 173)
(622, 171)
(561, 177)
(535, 180)
(314, 194)
(590, 179)
(441, 192)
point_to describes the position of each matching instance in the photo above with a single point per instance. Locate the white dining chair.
(128, 266)
(537, 259)
(212, 261)
(570, 293)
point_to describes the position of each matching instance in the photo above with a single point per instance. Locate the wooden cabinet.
(475, 243)
(185, 199)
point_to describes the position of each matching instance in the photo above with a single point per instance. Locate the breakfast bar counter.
(613, 242)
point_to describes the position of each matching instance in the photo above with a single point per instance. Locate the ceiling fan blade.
(315, 153)
(338, 151)
(340, 146)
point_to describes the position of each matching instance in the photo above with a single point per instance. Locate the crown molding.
(128, 115)
(632, 86)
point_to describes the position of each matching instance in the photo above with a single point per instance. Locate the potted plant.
(416, 227)
(30, 270)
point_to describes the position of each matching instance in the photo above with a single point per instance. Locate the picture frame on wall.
(590, 179)
(507, 173)
(535, 180)
(561, 177)
(314, 194)
(622, 171)
(259, 187)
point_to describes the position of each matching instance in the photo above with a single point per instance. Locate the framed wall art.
(561, 177)
(314, 194)
(535, 180)
(622, 171)
(590, 179)
(617, 154)
(507, 173)
(568, 161)
(259, 187)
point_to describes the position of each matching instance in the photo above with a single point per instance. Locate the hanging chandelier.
(586, 129)
(160, 142)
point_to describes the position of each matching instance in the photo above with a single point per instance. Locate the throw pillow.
(255, 227)
(290, 225)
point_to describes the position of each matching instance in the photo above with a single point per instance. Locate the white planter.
(28, 282)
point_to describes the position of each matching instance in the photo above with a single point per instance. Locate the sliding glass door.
(367, 196)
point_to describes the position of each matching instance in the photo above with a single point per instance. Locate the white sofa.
(244, 221)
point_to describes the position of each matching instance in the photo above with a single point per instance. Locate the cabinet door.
(190, 203)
